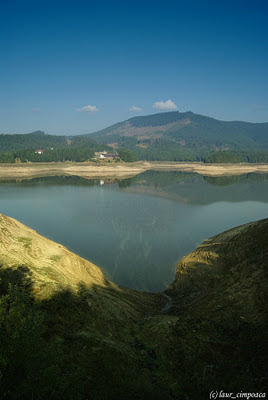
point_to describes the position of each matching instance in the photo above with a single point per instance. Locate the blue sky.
(73, 67)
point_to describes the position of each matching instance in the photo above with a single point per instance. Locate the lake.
(136, 229)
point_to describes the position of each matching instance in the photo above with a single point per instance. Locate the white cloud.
(165, 105)
(135, 109)
(88, 108)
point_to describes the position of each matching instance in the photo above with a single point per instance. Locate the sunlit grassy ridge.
(95, 340)
(50, 264)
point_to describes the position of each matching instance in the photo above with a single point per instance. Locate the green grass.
(26, 241)
(55, 258)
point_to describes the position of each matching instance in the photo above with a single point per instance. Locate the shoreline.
(125, 170)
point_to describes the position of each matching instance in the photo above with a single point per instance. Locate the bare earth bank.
(122, 170)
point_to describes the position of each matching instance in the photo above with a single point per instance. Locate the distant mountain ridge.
(169, 136)
(187, 130)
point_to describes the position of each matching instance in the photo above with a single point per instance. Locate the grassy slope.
(95, 318)
(220, 298)
(50, 267)
(211, 337)
(234, 254)
(49, 263)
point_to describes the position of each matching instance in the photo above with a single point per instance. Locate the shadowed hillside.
(220, 297)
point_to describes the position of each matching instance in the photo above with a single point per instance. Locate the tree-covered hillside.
(171, 136)
(36, 140)
(192, 128)
(175, 136)
(55, 148)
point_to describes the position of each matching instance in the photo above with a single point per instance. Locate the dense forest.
(33, 140)
(22, 148)
(238, 157)
(81, 154)
(164, 151)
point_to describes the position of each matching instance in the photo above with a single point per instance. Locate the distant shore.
(122, 170)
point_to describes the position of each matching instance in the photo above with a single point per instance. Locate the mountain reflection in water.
(136, 229)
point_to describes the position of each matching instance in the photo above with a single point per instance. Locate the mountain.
(66, 330)
(171, 136)
(187, 129)
(183, 136)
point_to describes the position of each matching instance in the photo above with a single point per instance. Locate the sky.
(74, 67)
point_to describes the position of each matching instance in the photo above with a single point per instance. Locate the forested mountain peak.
(159, 119)
(37, 133)
(180, 136)
(166, 136)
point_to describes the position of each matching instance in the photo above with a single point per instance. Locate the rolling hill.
(188, 130)
(55, 148)
(185, 136)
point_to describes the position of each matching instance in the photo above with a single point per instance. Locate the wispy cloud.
(135, 109)
(88, 108)
(165, 105)
(36, 109)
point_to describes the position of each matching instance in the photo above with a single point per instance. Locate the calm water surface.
(136, 230)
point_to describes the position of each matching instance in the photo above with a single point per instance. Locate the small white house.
(39, 151)
(103, 154)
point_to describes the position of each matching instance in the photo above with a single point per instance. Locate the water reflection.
(193, 188)
(180, 186)
(135, 229)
